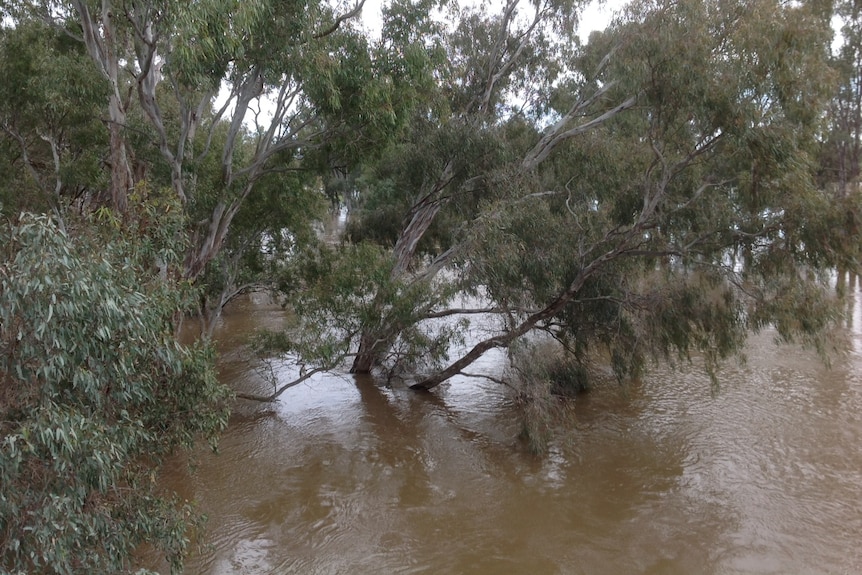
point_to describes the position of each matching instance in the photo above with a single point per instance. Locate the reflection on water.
(662, 477)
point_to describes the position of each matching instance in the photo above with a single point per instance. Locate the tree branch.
(489, 378)
(274, 395)
(340, 20)
(22, 144)
(530, 322)
(460, 311)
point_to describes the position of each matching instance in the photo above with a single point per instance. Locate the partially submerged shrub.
(545, 381)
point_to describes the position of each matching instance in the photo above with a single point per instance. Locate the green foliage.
(650, 194)
(272, 225)
(543, 377)
(332, 293)
(95, 391)
(696, 215)
(337, 293)
(671, 229)
(405, 174)
(51, 136)
(204, 42)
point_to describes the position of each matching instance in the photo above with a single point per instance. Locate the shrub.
(95, 392)
(545, 380)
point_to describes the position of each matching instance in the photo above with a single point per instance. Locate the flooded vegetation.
(497, 175)
(350, 475)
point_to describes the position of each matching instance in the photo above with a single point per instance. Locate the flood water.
(659, 477)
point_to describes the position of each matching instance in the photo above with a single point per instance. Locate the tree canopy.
(644, 196)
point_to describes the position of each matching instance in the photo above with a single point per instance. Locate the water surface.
(660, 477)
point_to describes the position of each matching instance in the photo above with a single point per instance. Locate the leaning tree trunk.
(368, 354)
(375, 341)
(533, 320)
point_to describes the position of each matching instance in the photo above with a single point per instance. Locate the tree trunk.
(366, 356)
(374, 342)
(100, 38)
(419, 219)
(121, 173)
(529, 323)
(205, 246)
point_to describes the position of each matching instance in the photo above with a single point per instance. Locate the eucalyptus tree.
(51, 139)
(649, 194)
(95, 391)
(296, 76)
(498, 68)
(691, 219)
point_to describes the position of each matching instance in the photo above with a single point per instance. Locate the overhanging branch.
(274, 395)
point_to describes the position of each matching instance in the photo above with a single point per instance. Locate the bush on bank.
(95, 392)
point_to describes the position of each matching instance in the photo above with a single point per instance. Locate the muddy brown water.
(346, 476)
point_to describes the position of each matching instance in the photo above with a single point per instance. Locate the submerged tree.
(570, 189)
(435, 180)
(658, 198)
(688, 221)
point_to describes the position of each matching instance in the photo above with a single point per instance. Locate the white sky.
(595, 17)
